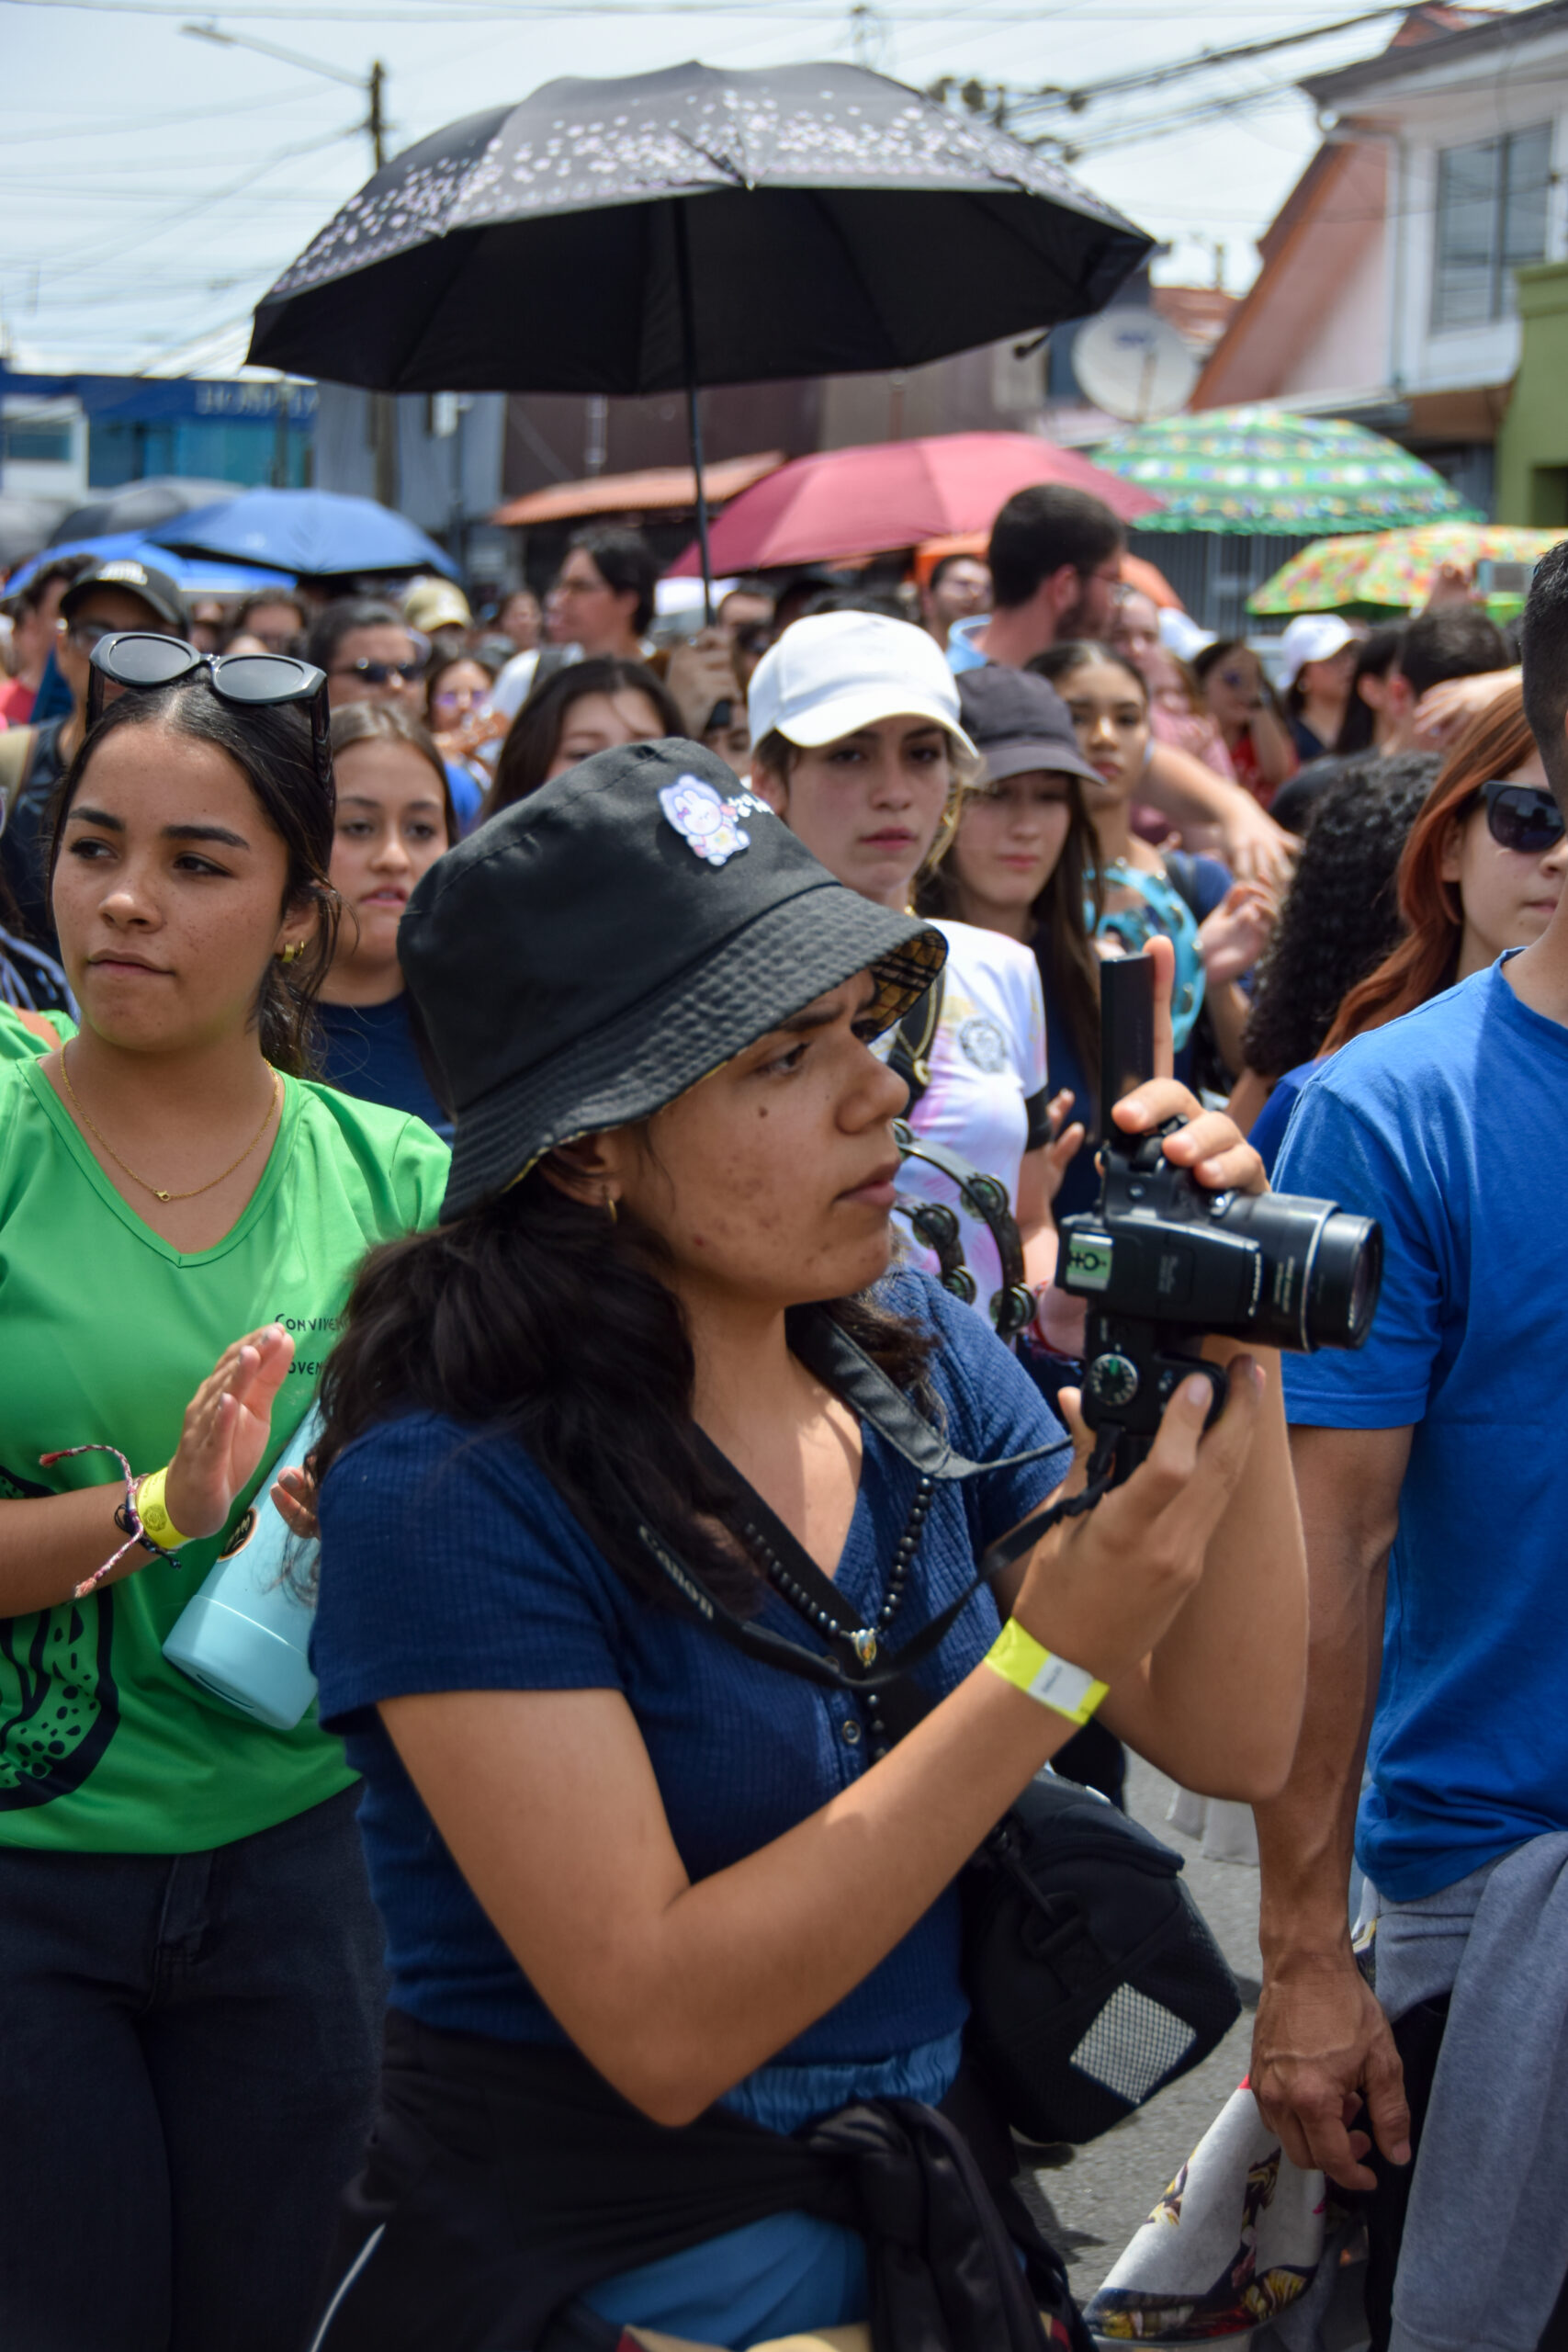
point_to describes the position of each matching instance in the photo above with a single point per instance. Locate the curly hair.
(1341, 915)
(1424, 963)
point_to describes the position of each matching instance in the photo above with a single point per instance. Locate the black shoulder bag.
(1092, 1977)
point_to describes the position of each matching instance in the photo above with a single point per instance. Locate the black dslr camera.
(1162, 1262)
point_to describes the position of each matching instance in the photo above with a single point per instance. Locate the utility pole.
(383, 407)
(383, 419)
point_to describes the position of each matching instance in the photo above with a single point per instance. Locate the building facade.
(67, 435)
(1388, 292)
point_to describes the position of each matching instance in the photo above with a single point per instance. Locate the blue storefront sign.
(230, 430)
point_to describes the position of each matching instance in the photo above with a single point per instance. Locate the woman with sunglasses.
(367, 651)
(458, 713)
(658, 1912)
(190, 1964)
(395, 818)
(1252, 727)
(1481, 874)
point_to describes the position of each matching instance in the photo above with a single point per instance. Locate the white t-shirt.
(515, 683)
(987, 1078)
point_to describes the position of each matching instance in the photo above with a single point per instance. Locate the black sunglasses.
(1522, 817)
(381, 673)
(139, 661)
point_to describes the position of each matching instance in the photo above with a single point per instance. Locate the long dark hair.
(529, 751)
(1497, 741)
(272, 750)
(536, 1318)
(1059, 933)
(1340, 916)
(1375, 657)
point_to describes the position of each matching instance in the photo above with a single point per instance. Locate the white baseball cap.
(836, 673)
(1314, 637)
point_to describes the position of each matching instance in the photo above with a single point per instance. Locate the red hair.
(1496, 741)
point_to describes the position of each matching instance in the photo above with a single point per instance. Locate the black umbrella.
(140, 505)
(692, 227)
(26, 524)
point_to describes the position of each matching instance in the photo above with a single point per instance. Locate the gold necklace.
(156, 1190)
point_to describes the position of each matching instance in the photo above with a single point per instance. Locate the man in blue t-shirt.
(1429, 1469)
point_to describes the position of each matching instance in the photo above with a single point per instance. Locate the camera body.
(1163, 1262)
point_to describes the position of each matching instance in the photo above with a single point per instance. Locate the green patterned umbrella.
(1258, 469)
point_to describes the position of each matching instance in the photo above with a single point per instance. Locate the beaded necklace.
(862, 1639)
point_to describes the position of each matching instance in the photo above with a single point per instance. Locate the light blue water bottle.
(246, 1632)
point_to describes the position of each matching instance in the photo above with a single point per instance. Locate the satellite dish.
(1133, 365)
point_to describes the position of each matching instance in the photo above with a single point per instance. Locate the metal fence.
(1214, 572)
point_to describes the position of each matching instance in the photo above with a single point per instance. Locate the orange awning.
(656, 489)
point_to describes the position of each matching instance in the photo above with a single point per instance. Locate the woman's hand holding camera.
(1100, 1591)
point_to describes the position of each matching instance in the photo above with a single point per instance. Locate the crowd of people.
(486, 1036)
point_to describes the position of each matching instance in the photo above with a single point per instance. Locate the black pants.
(187, 2066)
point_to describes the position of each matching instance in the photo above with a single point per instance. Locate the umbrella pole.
(693, 420)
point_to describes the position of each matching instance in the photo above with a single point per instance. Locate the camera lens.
(1347, 1275)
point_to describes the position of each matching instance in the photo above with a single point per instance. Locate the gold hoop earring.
(610, 1208)
(292, 952)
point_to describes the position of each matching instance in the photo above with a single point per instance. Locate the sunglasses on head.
(138, 661)
(1522, 817)
(381, 673)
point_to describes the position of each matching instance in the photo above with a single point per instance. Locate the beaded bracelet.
(127, 1518)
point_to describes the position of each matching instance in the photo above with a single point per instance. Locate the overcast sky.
(152, 184)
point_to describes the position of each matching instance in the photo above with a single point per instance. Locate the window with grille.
(1492, 200)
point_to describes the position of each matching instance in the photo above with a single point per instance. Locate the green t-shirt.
(18, 1042)
(105, 1333)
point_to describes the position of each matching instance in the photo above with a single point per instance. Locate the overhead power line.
(1180, 69)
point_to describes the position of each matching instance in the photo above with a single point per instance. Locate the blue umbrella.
(312, 531)
(200, 577)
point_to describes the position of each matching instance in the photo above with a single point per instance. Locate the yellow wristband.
(1067, 1689)
(152, 1511)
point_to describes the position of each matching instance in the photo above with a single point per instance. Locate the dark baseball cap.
(1018, 722)
(608, 940)
(155, 589)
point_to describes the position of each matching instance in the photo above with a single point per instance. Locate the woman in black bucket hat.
(677, 2018)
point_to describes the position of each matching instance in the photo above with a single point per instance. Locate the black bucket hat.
(601, 945)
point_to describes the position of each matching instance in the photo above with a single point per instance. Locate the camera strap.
(855, 1662)
(986, 1199)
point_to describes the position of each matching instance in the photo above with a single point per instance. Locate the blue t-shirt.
(506, 1591)
(467, 795)
(1450, 1127)
(516, 1596)
(1267, 1132)
(369, 1051)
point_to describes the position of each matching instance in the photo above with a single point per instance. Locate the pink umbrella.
(864, 502)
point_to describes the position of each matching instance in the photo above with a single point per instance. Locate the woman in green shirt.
(190, 1968)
